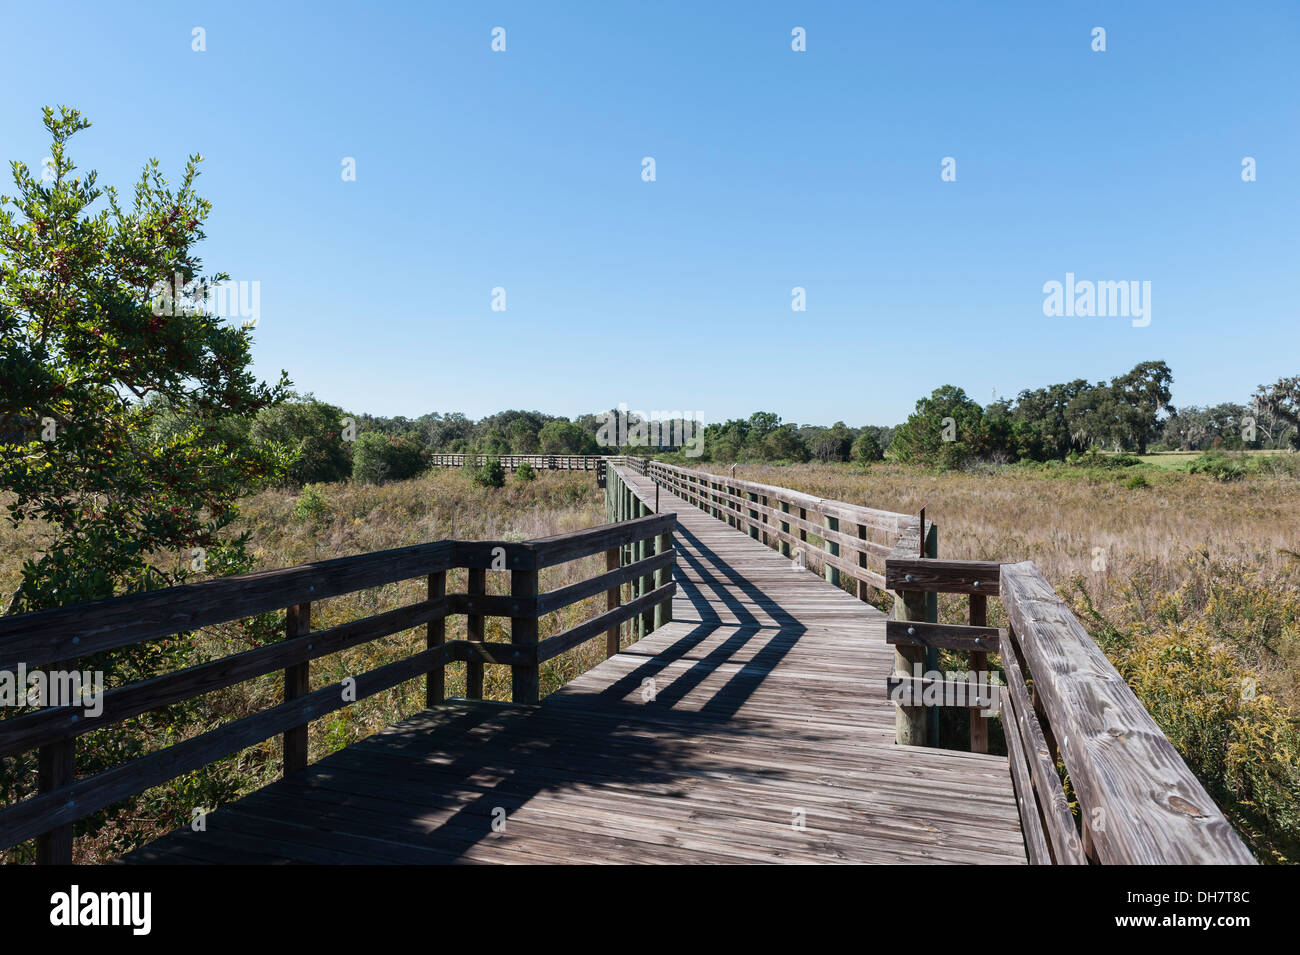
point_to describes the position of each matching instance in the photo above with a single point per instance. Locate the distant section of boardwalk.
(753, 728)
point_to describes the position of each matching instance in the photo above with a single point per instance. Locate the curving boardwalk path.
(753, 728)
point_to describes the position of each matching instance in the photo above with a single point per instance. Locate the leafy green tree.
(866, 449)
(525, 473)
(565, 437)
(523, 436)
(88, 369)
(378, 458)
(1281, 401)
(1040, 423)
(1139, 396)
(784, 444)
(312, 433)
(946, 430)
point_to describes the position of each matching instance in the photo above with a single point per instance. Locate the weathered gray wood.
(979, 725)
(942, 576)
(475, 630)
(525, 686)
(635, 608)
(1152, 807)
(70, 632)
(663, 611)
(55, 768)
(920, 633)
(1053, 806)
(558, 599)
(613, 598)
(435, 682)
(49, 811)
(297, 683)
(910, 606)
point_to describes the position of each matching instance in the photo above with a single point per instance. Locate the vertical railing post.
(612, 601)
(862, 563)
(55, 768)
(645, 620)
(474, 632)
(930, 547)
(663, 577)
(297, 682)
(525, 684)
(979, 725)
(909, 721)
(832, 573)
(783, 545)
(435, 635)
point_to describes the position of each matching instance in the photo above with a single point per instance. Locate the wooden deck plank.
(761, 705)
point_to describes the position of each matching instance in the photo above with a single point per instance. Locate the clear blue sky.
(775, 169)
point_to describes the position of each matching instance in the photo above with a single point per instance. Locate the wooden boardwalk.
(753, 728)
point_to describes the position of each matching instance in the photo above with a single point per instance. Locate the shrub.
(1220, 466)
(1137, 481)
(525, 472)
(491, 474)
(312, 504)
(866, 449)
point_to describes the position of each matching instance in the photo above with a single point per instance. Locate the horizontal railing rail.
(511, 462)
(849, 539)
(65, 635)
(1061, 700)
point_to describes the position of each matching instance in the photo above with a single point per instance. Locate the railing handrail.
(63, 633)
(1139, 803)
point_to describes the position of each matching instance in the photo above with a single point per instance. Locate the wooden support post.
(297, 680)
(612, 600)
(979, 660)
(435, 635)
(663, 577)
(646, 619)
(832, 573)
(783, 545)
(55, 768)
(909, 721)
(862, 563)
(525, 685)
(930, 548)
(475, 625)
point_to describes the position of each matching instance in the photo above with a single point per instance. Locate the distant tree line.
(1130, 412)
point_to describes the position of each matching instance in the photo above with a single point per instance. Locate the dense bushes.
(1190, 656)
(379, 457)
(311, 431)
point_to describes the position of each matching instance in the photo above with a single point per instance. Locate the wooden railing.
(542, 462)
(638, 552)
(848, 540)
(1060, 697)
(1062, 700)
